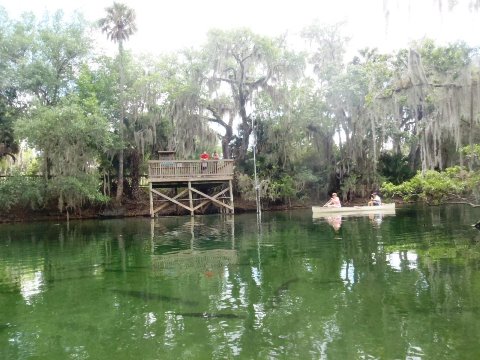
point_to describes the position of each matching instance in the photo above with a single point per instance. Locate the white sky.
(167, 25)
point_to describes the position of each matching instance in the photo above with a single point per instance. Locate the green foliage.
(73, 192)
(270, 190)
(473, 184)
(349, 184)
(242, 66)
(395, 168)
(327, 60)
(70, 138)
(52, 56)
(283, 188)
(21, 191)
(8, 144)
(472, 154)
(306, 183)
(432, 187)
(445, 61)
(245, 186)
(119, 23)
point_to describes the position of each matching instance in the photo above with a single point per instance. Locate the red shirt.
(204, 156)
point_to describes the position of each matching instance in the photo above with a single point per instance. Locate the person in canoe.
(333, 202)
(375, 200)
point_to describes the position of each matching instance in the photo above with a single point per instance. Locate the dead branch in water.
(464, 202)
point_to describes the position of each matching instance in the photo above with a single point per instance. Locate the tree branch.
(396, 90)
(256, 83)
(223, 79)
(465, 203)
(216, 117)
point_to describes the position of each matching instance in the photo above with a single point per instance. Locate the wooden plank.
(152, 213)
(192, 212)
(212, 199)
(231, 195)
(170, 199)
(207, 201)
(196, 178)
(167, 203)
(185, 169)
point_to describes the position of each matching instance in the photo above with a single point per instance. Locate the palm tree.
(119, 24)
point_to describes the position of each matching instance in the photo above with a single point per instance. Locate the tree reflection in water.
(215, 287)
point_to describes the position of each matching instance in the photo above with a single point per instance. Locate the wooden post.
(152, 214)
(192, 232)
(190, 198)
(152, 235)
(231, 195)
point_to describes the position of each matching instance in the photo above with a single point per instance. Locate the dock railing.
(190, 170)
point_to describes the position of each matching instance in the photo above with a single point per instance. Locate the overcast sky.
(167, 25)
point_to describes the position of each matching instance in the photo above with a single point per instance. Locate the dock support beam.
(231, 195)
(223, 199)
(152, 213)
(190, 197)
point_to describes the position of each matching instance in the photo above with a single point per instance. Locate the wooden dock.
(196, 184)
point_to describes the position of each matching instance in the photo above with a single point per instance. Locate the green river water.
(403, 286)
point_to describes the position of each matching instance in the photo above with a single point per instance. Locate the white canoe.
(384, 208)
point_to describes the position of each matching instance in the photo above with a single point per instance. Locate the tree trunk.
(227, 138)
(226, 143)
(470, 133)
(122, 116)
(135, 161)
(246, 122)
(120, 176)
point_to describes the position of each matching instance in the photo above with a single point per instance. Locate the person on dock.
(334, 201)
(215, 156)
(204, 157)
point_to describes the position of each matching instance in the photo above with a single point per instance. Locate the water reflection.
(347, 272)
(376, 219)
(222, 287)
(402, 259)
(192, 257)
(31, 285)
(335, 221)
